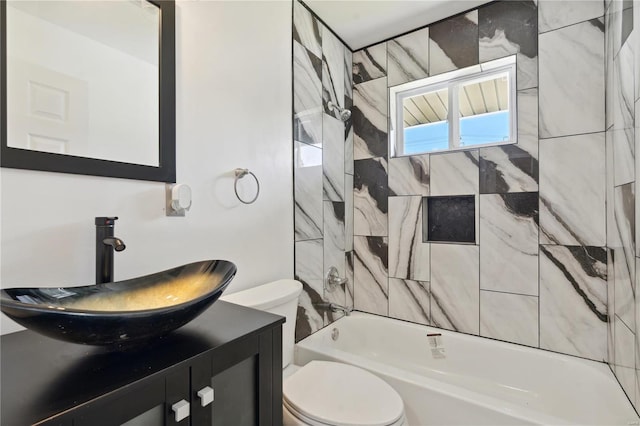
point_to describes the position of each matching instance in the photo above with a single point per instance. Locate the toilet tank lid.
(267, 295)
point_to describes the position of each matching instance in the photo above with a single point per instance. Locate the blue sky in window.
(426, 137)
(484, 128)
(474, 130)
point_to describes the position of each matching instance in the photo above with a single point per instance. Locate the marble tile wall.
(622, 138)
(323, 168)
(554, 261)
(537, 273)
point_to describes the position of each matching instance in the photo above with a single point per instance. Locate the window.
(456, 110)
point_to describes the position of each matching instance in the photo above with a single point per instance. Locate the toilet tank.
(280, 298)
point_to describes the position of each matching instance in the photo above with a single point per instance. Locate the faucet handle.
(333, 280)
(106, 220)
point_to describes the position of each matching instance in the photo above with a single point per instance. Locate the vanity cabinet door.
(245, 378)
(146, 403)
(178, 407)
(230, 375)
(237, 393)
(202, 394)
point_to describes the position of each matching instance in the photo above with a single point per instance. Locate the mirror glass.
(83, 78)
(88, 87)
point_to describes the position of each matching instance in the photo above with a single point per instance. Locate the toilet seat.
(331, 393)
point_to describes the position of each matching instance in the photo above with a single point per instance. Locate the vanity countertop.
(41, 377)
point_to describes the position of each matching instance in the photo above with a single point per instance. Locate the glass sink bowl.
(120, 312)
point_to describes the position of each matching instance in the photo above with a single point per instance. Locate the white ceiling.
(361, 23)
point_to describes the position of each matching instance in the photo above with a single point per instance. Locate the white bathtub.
(479, 382)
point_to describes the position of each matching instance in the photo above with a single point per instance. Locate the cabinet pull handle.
(181, 410)
(206, 396)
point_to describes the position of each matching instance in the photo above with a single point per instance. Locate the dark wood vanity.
(230, 353)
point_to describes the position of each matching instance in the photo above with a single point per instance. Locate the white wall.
(233, 110)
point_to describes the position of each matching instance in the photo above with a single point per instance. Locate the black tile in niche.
(458, 39)
(449, 219)
(518, 20)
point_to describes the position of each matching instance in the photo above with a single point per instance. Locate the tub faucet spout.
(339, 308)
(334, 307)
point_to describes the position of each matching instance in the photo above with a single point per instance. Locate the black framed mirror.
(53, 118)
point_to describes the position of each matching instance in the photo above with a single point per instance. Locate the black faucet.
(106, 243)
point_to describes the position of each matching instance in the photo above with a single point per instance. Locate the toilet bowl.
(332, 393)
(321, 393)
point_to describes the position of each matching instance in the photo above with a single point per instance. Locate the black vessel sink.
(120, 312)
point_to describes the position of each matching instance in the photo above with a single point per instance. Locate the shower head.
(343, 113)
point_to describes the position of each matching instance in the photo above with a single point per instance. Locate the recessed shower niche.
(449, 219)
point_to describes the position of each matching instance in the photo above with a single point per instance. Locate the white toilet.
(321, 393)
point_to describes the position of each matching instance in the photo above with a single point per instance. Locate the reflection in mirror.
(83, 78)
(88, 87)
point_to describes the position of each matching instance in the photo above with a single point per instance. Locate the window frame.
(452, 81)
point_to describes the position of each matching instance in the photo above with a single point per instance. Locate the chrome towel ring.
(240, 173)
